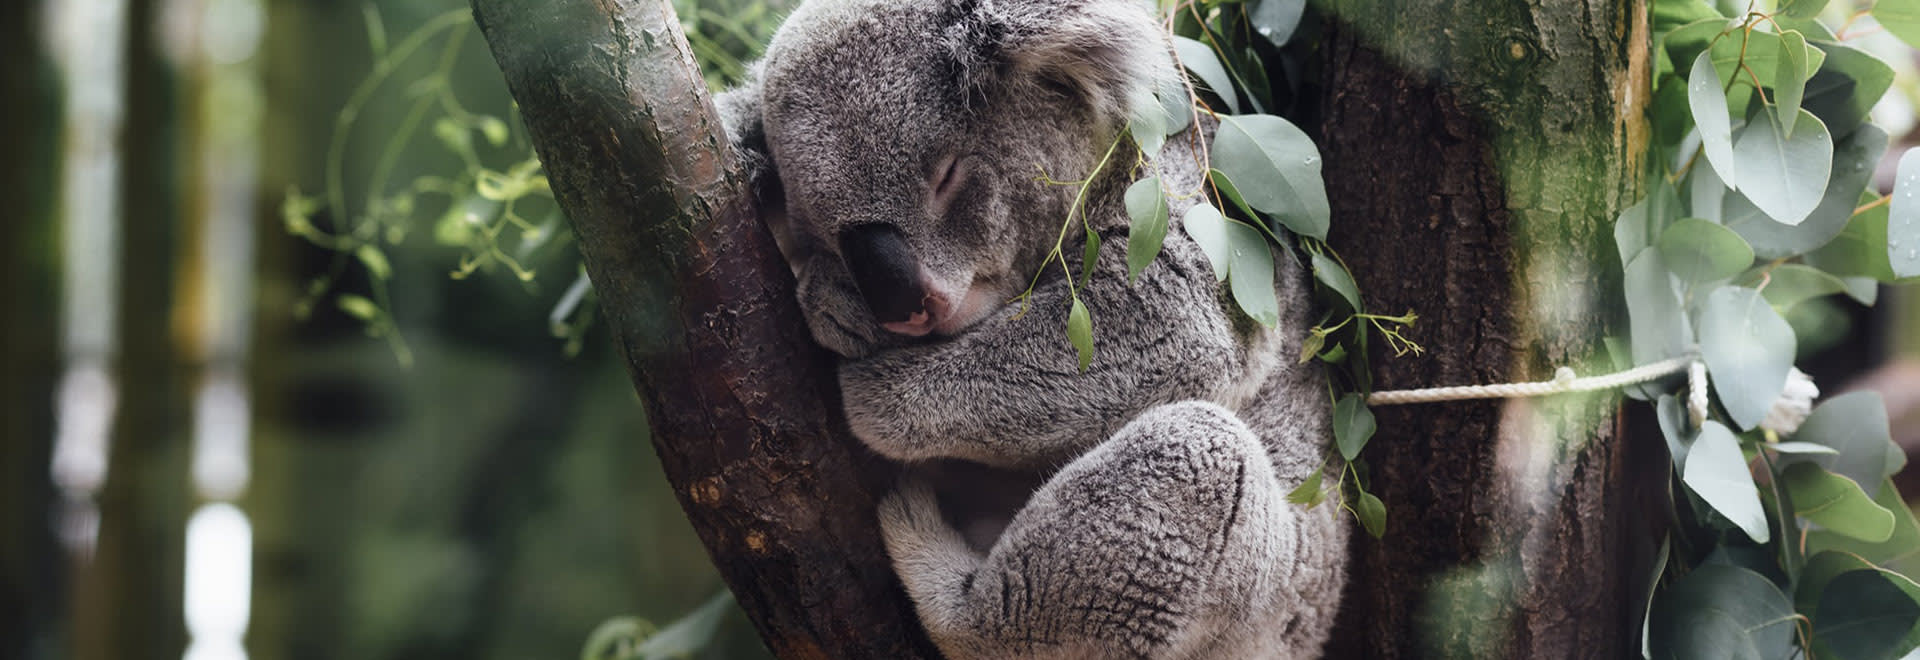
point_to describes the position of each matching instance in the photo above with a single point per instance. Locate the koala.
(897, 148)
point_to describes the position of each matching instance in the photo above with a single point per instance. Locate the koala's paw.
(918, 537)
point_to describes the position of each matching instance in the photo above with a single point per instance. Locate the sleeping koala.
(897, 147)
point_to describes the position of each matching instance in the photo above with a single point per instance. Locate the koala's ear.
(1108, 52)
(746, 134)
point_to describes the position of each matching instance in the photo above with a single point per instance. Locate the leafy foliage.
(1759, 205)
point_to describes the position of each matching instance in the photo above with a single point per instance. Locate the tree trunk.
(1477, 154)
(743, 406)
(30, 559)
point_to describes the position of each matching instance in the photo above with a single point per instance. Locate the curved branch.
(743, 406)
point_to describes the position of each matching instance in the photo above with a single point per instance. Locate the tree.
(1485, 148)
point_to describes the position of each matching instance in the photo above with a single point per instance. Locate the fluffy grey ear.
(740, 116)
(1111, 53)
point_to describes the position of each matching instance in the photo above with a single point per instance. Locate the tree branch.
(744, 407)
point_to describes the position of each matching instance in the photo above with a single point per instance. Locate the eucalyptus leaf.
(1673, 426)
(1854, 160)
(1208, 228)
(1277, 19)
(1669, 14)
(1757, 616)
(1899, 17)
(1864, 290)
(690, 634)
(1903, 217)
(1080, 332)
(1335, 276)
(1865, 614)
(1855, 425)
(1700, 251)
(1149, 124)
(1658, 326)
(1836, 503)
(1353, 425)
(1708, 102)
(1276, 167)
(1200, 59)
(1845, 88)
(1748, 349)
(1785, 176)
(1146, 204)
(1802, 8)
(1688, 41)
(1308, 492)
(1790, 81)
(1250, 278)
(1792, 284)
(1819, 570)
(1089, 255)
(1798, 448)
(1640, 225)
(1372, 514)
(1860, 249)
(1717, 472)
(1900, 553)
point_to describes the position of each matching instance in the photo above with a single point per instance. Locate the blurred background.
(278, 380)
(298, 362)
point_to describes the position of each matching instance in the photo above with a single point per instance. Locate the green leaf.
(1720, 611)
(1658, 327)
(1669, 14)
(1673, 427)
(1308, 492)
(1336, 278)
(1900, 17)
(1901, 553)
(358, 307)
(1640, 225)
(1700, 251)
(1802, 8)
(495, 130)
(1652, 589)
(1080, 333)
(1353, 425)
(1819, 570)
(1688, 41)
(1208, 228)
(1864, 290)
(1855, 425)
(1198, 58)
(616, 639)
(375, 260)
(1372, 514)
(1903, 218)
(681, 639)
(1709, 105)
(1844, 89)
(1277, 19)
(1790, 82)
(1148, 125)
(1311, 346)
(1865, 614)
(1785, 176)
(1748, 349)
(1276, 168)
(1800, 448)
(1717, 472)
(1089, 255)
(1147, 206)
(1251, 275)
(1836, 503)
(1792, 284)
(1860, 249)
(1854, 160)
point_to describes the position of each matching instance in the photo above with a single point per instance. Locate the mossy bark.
(743, 406)
(1477, 154)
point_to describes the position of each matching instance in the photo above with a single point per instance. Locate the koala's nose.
(885, 270)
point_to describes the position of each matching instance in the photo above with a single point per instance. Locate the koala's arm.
(1009, 391)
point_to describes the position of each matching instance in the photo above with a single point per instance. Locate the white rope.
(1563, 381)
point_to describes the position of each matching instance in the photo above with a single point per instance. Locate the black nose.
(884, 269)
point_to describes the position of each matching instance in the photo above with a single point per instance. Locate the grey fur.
(1164, 532)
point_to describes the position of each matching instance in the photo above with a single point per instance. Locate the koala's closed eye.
(947, 178)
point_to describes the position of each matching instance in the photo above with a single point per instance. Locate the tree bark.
(743, 406)
(1477, 154)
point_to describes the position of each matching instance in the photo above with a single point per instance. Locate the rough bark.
(1476, 155)
(742, 405)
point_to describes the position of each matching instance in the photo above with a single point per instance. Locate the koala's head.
(910, 136)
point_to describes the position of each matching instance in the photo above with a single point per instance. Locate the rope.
(1563, 381)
